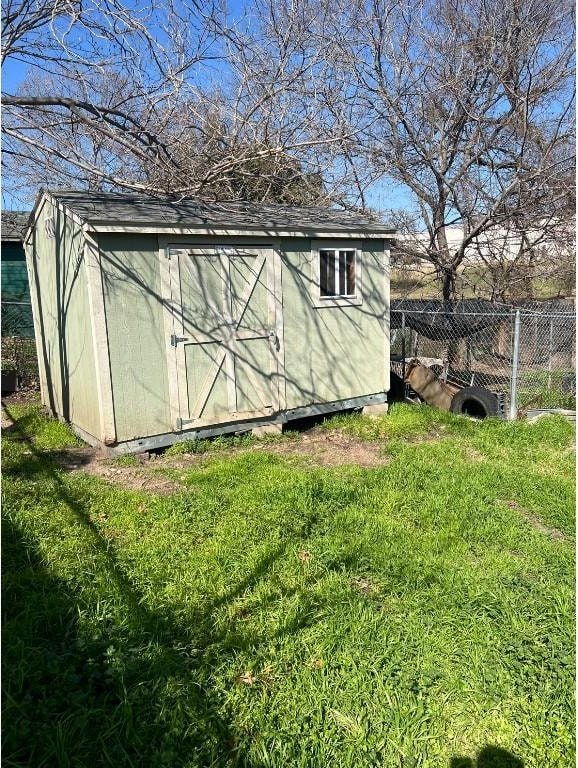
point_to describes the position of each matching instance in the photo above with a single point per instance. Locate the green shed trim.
(223, 232)
(100, 340)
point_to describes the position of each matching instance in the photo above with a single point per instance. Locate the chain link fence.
(18, 345)
(526, 355)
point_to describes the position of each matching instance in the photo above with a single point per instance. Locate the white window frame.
(335, 301)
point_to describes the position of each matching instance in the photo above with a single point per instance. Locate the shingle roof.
(117, 209)
(14, 224)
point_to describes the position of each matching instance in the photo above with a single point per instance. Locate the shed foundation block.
(267, 429)
(376, 409)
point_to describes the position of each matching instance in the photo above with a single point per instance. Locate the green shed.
(160, 320)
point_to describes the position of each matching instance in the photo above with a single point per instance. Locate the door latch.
(176, 339)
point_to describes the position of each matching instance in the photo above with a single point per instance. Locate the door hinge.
(274, 339)
(177, 339)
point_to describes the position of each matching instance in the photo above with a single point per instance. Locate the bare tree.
(523, 263)
(467, 104)
(263, 130)
(470, 106)
(102, 77)
(172, 98)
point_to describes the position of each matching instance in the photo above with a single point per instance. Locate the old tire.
(475, 401)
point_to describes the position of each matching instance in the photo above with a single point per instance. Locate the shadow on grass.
(133, 692)
(488, 757)
(77, 698)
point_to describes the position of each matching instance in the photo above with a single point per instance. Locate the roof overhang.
(160, 229)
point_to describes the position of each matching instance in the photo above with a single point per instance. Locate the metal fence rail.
(525, 354)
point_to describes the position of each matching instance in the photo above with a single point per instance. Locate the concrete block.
(378, 409)
(267, 429)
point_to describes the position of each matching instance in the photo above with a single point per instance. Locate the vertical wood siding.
(334, 352)
(136, 334)
(66, 349)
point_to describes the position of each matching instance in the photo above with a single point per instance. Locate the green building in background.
(16, 311)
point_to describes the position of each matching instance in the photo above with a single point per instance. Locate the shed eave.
(356, 234)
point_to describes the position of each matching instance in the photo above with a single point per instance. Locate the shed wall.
(136, 336)
(334, 353)
(65, 347)
(331, 353)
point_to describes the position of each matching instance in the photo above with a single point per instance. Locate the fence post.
(515, 357)
(403, 345)
(550, 342)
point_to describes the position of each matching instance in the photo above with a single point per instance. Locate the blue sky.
(13, 73)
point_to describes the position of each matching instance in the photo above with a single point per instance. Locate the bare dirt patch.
(330, 449)
(135, 478)
(316, 448)
(553, 533)
(93, 462)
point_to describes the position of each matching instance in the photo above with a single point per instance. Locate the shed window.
(336, 272)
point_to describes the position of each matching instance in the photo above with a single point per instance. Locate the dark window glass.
(342, 287)
(350, 272)
(327, 273)
(336, 272)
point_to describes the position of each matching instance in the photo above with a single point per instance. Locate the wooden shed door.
(226, 339)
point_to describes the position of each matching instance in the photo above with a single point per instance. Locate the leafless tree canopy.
(159, 96)
(98, 86)
(468, 105)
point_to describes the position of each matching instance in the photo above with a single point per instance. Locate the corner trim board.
(165, 265)
(100, 340)
(387, 313)
(279, 325)
(39, 340)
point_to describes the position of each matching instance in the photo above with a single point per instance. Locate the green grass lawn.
(271, 613)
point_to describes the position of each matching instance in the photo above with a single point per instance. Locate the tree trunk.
(448, 284)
